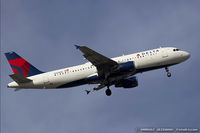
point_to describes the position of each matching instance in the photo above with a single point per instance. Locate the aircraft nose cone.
(186, 55)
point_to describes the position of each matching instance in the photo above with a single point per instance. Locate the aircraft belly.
(72, 80)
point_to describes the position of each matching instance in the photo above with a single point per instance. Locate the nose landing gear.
(168, 73)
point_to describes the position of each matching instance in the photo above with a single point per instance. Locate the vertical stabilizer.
(20, 66)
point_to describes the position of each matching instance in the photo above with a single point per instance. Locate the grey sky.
(44, 32)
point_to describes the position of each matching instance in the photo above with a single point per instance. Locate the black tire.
(169, 74)
(108, 92)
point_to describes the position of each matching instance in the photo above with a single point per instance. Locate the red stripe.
(25, 69)
(15, 71)
(17, 62)
(23, 64)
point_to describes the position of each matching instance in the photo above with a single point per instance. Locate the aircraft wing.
(104, 64)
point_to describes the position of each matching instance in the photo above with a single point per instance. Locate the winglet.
(77, 47)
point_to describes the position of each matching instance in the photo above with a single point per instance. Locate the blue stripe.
(93, 79)
(12, 55)
(34, 71)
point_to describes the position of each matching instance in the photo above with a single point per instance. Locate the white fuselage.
(143, 61)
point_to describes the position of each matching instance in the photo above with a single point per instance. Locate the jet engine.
(127, 83)
(126, 67)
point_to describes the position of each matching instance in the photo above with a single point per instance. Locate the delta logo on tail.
(20, 66)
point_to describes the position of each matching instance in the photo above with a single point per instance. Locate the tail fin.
(20, 66)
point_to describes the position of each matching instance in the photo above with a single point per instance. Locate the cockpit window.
(176, 49)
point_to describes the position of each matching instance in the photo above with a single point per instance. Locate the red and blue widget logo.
(20, 66)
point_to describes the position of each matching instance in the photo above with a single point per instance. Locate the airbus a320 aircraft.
(99, 70)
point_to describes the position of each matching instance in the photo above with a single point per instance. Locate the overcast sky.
(44, 33)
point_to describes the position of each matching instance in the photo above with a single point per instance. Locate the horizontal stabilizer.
(19, 79)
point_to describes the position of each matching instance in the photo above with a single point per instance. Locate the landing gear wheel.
(169, 74)
(108, 92)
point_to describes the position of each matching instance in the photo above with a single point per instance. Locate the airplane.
(119, 71)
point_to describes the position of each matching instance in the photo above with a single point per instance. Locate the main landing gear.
(168, 73)
(108, 91)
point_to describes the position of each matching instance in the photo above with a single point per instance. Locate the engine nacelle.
(127, 83)
(127, 66)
